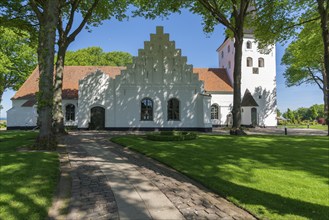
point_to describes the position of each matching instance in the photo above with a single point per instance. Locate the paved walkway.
(275, 131)
(111, 182)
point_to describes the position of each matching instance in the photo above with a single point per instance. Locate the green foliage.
(3, 124)
(17, 57)
(273, 177)
(28, 179)
(17, 14)
(171, 136)
(95, 56)
(307, 115)
(304, 57)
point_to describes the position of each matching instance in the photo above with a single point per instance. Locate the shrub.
(3, 124)
(171, 136)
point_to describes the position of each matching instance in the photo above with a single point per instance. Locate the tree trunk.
(1, 93)
(58, 117)
(323, 11)
(47, 33)
(236, 129)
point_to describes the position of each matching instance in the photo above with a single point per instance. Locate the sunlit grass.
(274, 177)
(27, 179)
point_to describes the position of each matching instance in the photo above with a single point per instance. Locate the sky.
(200, 48)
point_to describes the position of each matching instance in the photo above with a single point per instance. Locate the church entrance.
(97, 118)
(254, 117)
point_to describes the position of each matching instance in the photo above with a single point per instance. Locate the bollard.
(285, 131)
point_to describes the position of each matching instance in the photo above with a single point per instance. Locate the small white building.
(159, 90)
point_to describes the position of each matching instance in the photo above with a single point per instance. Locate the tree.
(95, 56)
(290, 115)
(287, 21)
(17, 58)
(232, 14)
(323, 9)
(304, 60)
(93, 12)
(47, 13)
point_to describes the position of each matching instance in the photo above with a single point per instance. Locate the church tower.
(258, 79)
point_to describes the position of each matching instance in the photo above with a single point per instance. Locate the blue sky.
(200, 49)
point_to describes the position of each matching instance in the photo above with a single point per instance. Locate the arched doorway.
(253, 116)
(97, 118)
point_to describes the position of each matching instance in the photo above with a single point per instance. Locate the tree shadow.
(208, 160)
(27, 181)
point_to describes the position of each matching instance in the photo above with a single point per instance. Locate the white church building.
(159, 90)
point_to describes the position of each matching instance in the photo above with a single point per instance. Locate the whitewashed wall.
(227, 58)
(160, 73)
(19, 116)
(225, 104)
(262, 86)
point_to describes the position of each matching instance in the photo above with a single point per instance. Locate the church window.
(261, 62)
(229, 64)
(214, 111)
(228, 48)
(146, 109)
(255, 70)
(249, 61)
(70, 112)
(249, 45)
(222, 54)
(173, 109)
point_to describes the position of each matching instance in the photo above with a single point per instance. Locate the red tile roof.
(215, 80)
(71, 77)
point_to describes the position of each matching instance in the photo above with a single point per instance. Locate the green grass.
(318, 127)
(274, 177)
(27, 179)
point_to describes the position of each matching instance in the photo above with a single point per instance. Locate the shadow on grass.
(213, 160)
(28, 179)
(275, 203)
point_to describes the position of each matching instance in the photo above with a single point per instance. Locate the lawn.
(27, 179)
(273, 177)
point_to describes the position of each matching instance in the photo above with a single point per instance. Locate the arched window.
(146, 109)
(249, 45)
(70, 112)
(261, 62)
(229, 64)
(249, 61)
(173, 109)
(214, 111)
(228, 48)
(222, 54)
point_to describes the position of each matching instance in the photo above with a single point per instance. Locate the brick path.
(92, 196)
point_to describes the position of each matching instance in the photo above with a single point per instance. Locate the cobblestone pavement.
(92, 196)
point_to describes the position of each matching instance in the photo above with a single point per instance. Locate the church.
(160, 91)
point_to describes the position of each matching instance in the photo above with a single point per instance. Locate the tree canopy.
(18, 57)
(95, 56)
(304, 57)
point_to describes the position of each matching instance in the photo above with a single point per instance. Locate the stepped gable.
(159, 63)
